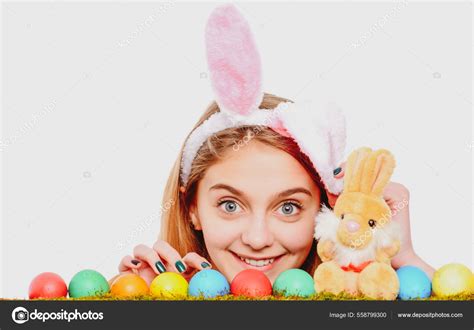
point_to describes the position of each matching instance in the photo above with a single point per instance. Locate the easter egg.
(169, 285)
(453, 279)
(47, 285)
(88, 283)
(208, 283)
(251, 283)
(414, 283)
(294, 282)
(129, 285)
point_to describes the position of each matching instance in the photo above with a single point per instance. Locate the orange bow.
(356, 268)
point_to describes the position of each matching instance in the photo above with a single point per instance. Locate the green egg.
(294, 282)
(88, 283)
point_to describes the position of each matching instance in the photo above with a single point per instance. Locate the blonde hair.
(176, 226)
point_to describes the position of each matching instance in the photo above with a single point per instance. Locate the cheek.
(218, 233)
(295, 237)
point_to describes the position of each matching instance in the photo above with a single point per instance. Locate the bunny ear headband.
(236, 77)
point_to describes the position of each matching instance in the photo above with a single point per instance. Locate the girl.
(252, 176)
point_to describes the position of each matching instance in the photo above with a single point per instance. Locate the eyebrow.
(292, 191)
(228, 188)
(282, 194)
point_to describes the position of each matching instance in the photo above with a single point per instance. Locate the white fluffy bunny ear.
(234, 62)
(321, 134)
(335, 130)
(336, 124)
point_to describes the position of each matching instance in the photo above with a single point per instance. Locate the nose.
(352, 226)
(257, 234)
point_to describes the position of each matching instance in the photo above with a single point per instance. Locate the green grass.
(317, 297)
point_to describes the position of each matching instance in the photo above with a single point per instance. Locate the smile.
(257, 263)
(260, 263)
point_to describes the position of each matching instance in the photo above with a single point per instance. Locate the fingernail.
(135, 262)
(205, 265)
(337, 171)
(160, 266)
(180, 266)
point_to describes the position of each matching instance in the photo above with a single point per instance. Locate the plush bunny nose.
(352, 226)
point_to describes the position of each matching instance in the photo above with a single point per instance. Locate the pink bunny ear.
(234, 61)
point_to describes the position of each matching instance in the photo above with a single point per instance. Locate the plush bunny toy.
(357, 240)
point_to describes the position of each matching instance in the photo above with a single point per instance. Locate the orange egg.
(129, 285)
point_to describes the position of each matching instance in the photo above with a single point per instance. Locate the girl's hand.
(397, 198)
(148, 262)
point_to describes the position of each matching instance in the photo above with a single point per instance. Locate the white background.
(98, 97)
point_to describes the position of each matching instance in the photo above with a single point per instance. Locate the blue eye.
(289, 208)
(229, 206)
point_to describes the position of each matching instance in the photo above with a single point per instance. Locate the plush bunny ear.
(380, 165)
(354, 169)
(234, 62)
(368, 171)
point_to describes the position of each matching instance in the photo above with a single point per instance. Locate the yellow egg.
(169, 285)
(472, 283)
(453, 279)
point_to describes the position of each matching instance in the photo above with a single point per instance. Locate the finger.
(194, 260)
(396, 191)
(128, 263)
(148, 274)
(170, 255)
(147, 254)
(339, 172)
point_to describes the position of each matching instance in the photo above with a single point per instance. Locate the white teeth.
(258, 263)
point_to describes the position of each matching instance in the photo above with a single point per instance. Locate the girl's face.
(256, 208)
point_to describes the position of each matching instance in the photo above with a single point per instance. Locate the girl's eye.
(289, 208)
(229, 206)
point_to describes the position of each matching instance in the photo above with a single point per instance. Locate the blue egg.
(208, 283)
(414, 283)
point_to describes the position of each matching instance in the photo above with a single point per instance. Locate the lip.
(263, 268)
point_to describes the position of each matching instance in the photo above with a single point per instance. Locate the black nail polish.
(205, 265)
(337, 171)
(180, 266)
(135, 262)
(160, 266)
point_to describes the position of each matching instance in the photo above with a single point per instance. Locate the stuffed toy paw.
(357, 239)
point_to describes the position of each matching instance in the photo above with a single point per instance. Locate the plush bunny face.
(360, 215)
(359, 226)
(361, 206)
